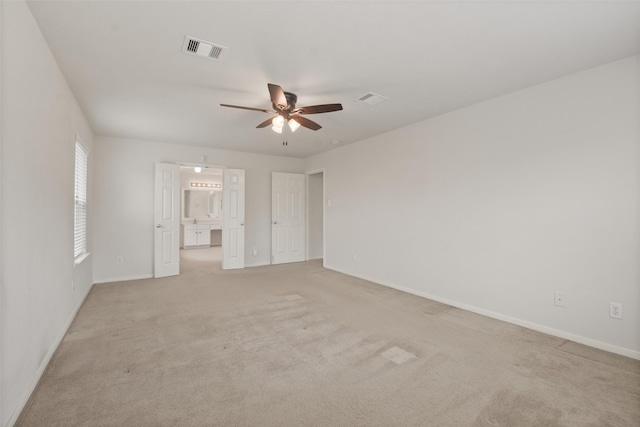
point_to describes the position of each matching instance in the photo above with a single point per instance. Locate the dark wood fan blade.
(247, 108)
(306, 122)
(266, 123)
(316, 109)
(277, 96)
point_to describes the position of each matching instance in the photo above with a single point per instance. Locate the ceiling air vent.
(372, 98)
(202, 48)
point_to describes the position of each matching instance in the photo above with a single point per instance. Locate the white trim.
(125, 278)
(257, 264)
(513, 320)
(45, 362)
(78, 260)
(315, 171)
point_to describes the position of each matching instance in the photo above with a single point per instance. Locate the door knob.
(158, 225)
(275, 222)
(242, 223)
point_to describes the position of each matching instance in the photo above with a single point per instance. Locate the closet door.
(288, 218)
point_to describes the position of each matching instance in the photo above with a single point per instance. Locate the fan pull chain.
(284, 136)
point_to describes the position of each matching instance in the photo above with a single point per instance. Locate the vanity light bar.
(205, 185)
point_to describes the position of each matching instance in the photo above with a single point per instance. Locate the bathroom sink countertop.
(208, 221)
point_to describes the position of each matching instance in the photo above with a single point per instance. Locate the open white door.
(167, 221)
(288, 218)
(233, 219)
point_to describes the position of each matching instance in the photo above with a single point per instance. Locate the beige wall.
(496, 206)
(41, 286)
(124, 201)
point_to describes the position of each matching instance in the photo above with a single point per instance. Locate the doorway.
(201, 217)
(315, 215)
(171, 223)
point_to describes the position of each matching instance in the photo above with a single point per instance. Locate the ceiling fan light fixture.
(278, 124)
(278, 121)
(284, 106)
(293, 125)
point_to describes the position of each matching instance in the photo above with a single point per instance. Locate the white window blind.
(80, 214)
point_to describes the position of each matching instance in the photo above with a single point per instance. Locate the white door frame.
(180, 207)
(324, 211)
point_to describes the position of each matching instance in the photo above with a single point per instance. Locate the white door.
(167, 221)
(233, 219)
(288, 228)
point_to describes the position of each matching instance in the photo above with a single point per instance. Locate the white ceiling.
(124, 63)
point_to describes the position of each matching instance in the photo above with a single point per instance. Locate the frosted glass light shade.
(278, 121)
(293, 125)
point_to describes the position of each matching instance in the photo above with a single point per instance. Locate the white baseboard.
(257, 264)
(125, 278)
(514, 320)
(45, 362)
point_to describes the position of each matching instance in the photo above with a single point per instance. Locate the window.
(80, 211)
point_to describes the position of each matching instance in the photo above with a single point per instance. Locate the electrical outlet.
(255, 251)
(560, 299)
(355, 256)
(119, 260)
(615, 310)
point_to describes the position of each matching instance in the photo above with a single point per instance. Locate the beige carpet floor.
(299, 345)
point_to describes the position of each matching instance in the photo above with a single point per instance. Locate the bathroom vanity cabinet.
(197, 235)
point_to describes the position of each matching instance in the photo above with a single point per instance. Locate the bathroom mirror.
(202, 203)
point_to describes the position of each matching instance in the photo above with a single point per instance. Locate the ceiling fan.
(284, 106)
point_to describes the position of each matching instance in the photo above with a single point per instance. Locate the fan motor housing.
(292, 98)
